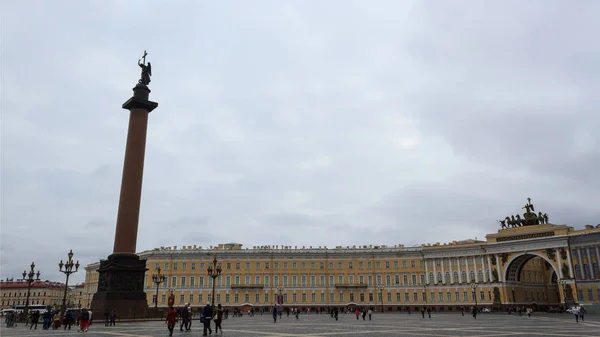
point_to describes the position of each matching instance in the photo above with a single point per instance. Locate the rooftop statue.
(146, 70)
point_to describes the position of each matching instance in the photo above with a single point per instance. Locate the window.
(276, 280)
(360, 265)
(236, 298)
(389, 297)
(396, 266)
(377, 265)
(449, 296)
(256, 298)
(339, 265)
(303, 265)
(403, 264)
(226, 298)
(285, 265)
(237, 266)
(267, 265)
(362, 297)
(184, 266)
(369, 265)
(313, 297)
(590, 294)
(397, 278)
(321, 265)
(156, 266)
(247, 265)
(276, 265)
(480, 275)
(414, 278)
(431, 278)
(153, 300)
(439, 277)
(398, 297)
(350, 265)
(331, 297)
(455, 277)
(447, 277)
(441, 296)
(412, 264)
(370, 278)
(322, 279)
(294, 297)
(200, 299)
(228, 266)
(294, 280)
(387, 265)
(341, 297)
(247, 279)
(257, 265)
(406, 297)
(228, 280)
(482, 295)
(247, 298)
(322, 297)
(267, 298)
(181, 298)
(340, 279)
(257, 279)
(313, 280)
(463, 276)
(304, 280)
(163, 299)
(191, 298)
(466, 296)
(174, 281)
(285, 280)
(165, 268)
(330, 279)
(175, 266)
(293, 265)
(183, 281)
(415, 297)
(472, 276)
(388, 279)
(312, 265)
(192, 281)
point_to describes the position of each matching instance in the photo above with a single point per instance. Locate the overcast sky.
(295, 122)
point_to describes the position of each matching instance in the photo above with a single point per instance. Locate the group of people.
(52, 319)
(209, 313)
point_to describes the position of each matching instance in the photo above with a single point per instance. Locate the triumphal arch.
(566, 269)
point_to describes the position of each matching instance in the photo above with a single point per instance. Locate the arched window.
(577, 271)
(455, 277)
(463, 276)
(480, 275)
(448, 280)
(487, 275)
(439, 277)
(595, 267)
(431, 278)
(472, 276)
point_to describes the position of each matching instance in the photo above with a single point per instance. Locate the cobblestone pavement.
(312, 325)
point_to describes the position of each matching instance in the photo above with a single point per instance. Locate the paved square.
(313, 325)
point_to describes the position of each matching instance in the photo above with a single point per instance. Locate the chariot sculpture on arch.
(529, 218)
(146, 70)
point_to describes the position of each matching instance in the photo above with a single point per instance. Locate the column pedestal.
(121, 287)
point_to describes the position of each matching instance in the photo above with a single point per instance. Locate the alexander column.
(121, 276)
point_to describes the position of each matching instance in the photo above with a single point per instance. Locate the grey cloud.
(295, 124)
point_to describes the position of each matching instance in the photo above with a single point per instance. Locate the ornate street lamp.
(158, 278)
(214, 271)
(474, 286)
(67, 271)
(280, 297)
(380, 289)
(28, 277)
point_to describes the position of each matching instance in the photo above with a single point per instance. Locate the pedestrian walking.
(207, 314)
(370, 313)
(474, 312)
(171, 320)
(113, 318)
(219, 319)
(84, 320)
(274, 314)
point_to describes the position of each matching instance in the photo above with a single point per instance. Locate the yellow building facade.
(542, 265)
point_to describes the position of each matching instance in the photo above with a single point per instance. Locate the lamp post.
(158, 278)
(28, 277)
(67, 271)
(280, 297)
(474, 286)
(380, 289)
(214, 271)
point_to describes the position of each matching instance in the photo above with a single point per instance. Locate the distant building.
(14, 293)
(541, 265)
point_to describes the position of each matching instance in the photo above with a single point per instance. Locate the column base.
(121, 287)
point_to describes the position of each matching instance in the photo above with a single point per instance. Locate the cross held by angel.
(146, 70)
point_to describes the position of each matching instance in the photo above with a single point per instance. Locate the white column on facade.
(580, 262)
(570, 260)
(500, 272)
(426, 273)
(467, 267)
(483, 268)
(560, 273)
(435, 280)
(490, 275)
(443, 273)
(451, 272)
(475, 269)
(589, 263)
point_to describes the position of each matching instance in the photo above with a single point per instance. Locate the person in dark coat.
(207, 314)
